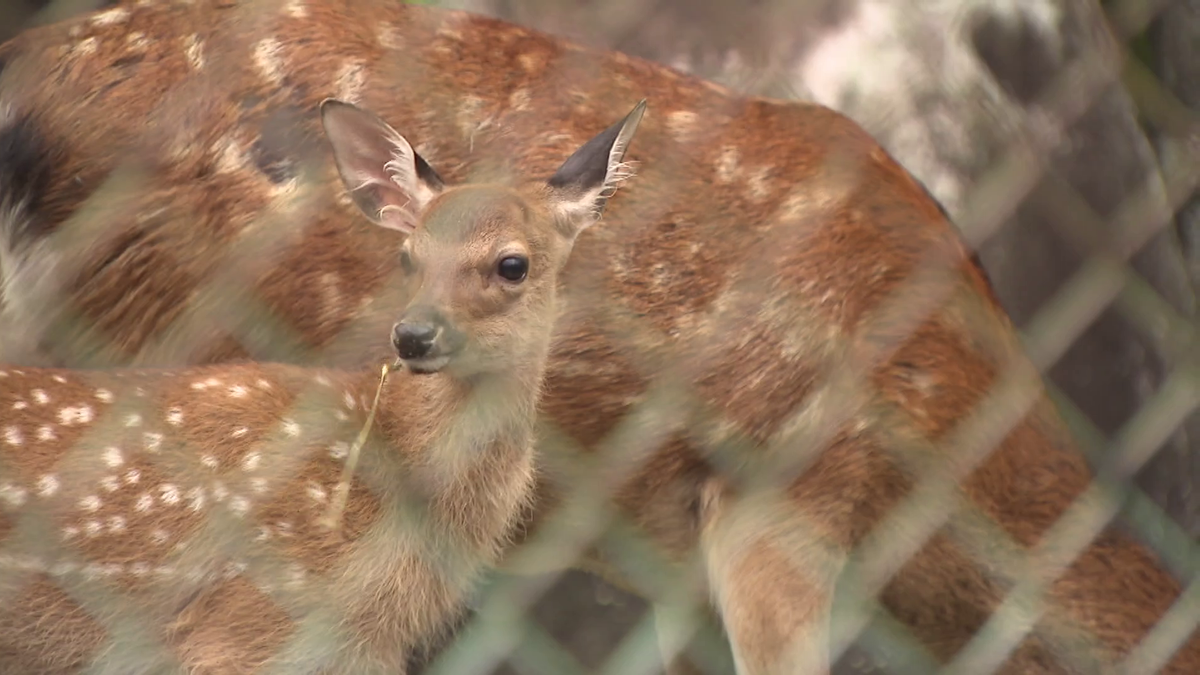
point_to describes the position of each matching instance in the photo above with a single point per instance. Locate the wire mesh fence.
(221, 317)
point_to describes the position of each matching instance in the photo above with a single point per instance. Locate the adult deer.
(774, 290)
(181, 518)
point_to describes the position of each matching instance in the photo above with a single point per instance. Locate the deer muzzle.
(424, 342)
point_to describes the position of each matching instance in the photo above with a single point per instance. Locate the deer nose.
(414, 340)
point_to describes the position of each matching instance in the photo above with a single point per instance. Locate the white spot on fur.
(132, 476)
(110, 16)
(75, 415)
(175, 417)
(59, 379)
(70, 532)
(85, 47)
(153, 441)
(263, 384)
(110, 483)
(113, 457)
(144, 502)
(46, 433)
(20, 405)
(727, 164)
(208, 461)
(47, 485)
(195, 498)
(12, 436)
(90, 503)
(14, 495)
(93, 527)
(470, 118)
(230, 156)
(258, 484)
(104, 396)
(234, 568)
(239, 505)
(267, 58)
(322, 380)
(680, 123)
(757, 184)
(348, 399)
(339, 450)
(40, 397)
(116, 524)
(519, 99)
(388, 36)
(219, 492)
(238, 391)
(137, 41)
(316, 492)
(133, 420)
(295, 9)
(250, 461)
(159, 536)
(239, 432)
(531, 61)
(291, 428)
(296, 575)
(168, 493)
(448, 32)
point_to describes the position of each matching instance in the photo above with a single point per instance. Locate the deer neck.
(467, 445)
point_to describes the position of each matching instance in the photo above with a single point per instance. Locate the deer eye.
(513, 268)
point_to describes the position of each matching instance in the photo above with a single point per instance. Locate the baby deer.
(161, 519)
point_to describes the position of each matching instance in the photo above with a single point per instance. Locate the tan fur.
(176, 517)
(772, 318)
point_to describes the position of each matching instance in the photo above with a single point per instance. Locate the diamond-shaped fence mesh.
(503, 631)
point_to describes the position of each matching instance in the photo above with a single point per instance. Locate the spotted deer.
(774, 292)
(181, 518)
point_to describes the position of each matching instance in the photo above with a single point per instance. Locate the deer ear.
(582, 185)
(388, 181)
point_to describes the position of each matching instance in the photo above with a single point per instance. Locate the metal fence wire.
(504, 631)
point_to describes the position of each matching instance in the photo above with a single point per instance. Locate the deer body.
(181, 519)
(747, 293)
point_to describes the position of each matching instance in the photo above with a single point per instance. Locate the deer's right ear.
(388, 181)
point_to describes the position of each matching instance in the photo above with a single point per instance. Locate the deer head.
(483, 260)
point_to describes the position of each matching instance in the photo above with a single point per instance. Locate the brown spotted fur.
(754, 266)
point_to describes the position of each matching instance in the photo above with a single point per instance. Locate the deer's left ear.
(582, 185)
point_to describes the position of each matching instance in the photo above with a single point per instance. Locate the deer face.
(482, 260)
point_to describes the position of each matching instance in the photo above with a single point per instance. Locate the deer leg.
(772, 576)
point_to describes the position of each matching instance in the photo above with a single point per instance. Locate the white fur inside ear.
(584, 208)
(398, 218)
(402, 169)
